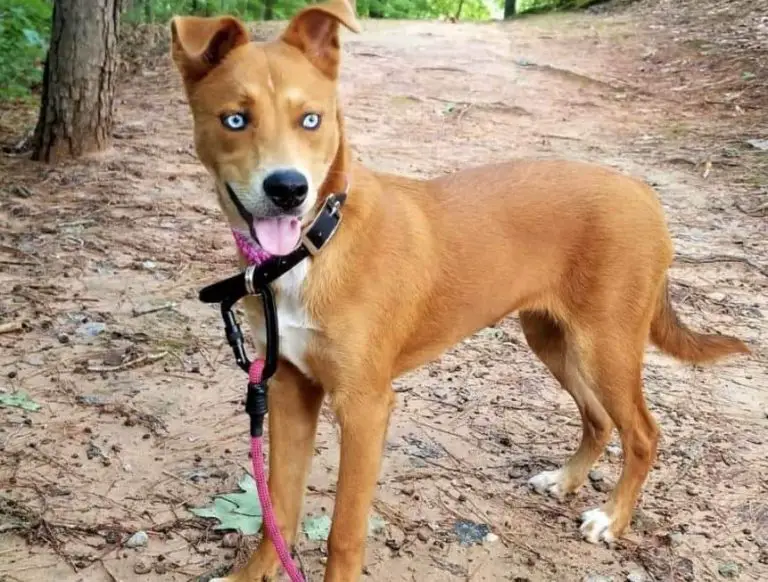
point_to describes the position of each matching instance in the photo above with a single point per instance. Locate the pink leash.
(256, 256)
(270, 523)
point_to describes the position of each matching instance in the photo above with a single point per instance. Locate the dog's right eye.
(234, 121)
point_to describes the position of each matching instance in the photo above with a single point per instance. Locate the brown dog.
(581, 252)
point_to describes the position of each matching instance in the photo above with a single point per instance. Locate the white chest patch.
(296, 327)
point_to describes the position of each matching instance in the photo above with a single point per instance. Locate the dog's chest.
(296, 327)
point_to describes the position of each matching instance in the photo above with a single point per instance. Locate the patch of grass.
(24, 32)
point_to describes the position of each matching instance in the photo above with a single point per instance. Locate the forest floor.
(140, 403)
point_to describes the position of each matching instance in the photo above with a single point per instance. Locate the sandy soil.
(101, 259)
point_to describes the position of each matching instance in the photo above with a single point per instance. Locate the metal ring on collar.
(249, 271)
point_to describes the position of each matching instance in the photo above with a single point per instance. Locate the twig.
(131, 363)
(723, 259)
(10, 327)
(109, 572)
(180, 480)
(164, 306)
(757, 212)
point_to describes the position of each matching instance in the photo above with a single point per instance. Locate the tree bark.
(509, 9)
(79, 80)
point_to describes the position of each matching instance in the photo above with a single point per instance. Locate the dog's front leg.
(363, 417)
(294, 407)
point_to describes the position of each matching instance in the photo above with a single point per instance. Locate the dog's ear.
(315, 31)
(198, 44)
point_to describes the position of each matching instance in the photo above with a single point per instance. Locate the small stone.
(675, 539)
(230, 540)
(491, 538)
(112, 537)
(12, 374)
(138, 540)
(91, 329)
(161, 567)
(462, 498)
(505, 441)
(142, 566)
(596, 476)
(424, 534)
(63, 338)
(729, 570)
(613, 451)
(408, 490)
(691, 490)
(596, 578)
(396, 539)
(637, 576)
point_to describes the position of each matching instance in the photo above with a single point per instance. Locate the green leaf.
(19, 400)
(317, 529)
(236, 511)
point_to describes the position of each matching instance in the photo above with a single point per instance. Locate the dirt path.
(141, 403)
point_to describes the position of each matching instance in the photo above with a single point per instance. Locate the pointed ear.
(198, 45)
(315, 32)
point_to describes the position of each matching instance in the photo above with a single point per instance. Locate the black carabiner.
(235, 334)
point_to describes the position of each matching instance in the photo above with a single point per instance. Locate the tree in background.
(78, 80)
(509, 9)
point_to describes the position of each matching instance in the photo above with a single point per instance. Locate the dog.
(579, 252)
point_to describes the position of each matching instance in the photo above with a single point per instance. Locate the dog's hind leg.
(618, 373)
(294, 408)
(560, 352)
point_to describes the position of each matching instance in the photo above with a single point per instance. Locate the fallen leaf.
(19, 400)
(235, 511)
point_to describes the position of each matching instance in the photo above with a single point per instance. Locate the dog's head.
(266, 115)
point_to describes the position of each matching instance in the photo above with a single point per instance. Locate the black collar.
(255, 278)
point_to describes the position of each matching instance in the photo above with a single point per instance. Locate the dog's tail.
(674, 338)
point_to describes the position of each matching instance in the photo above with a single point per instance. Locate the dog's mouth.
(277, 235)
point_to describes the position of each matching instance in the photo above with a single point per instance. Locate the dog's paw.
(548, 483)
(596, 526)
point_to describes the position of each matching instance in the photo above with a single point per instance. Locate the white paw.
(548, 483)
(596, 526)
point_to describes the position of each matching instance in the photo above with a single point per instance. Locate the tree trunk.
(79, 80)
(458, 10)
(509, 9)
(269, 9)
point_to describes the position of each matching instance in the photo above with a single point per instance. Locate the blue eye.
(310, 121)
(234, 121)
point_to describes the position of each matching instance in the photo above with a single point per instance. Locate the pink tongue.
(278, 236)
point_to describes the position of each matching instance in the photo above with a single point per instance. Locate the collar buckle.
(324, 226)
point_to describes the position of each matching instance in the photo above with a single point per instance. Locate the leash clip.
(235, 337)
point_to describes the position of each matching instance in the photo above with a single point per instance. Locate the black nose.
(286, 188)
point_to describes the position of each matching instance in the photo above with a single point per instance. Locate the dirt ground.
(101, 260)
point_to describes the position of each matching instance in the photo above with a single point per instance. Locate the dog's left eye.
(310, 121)
(234, 121)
